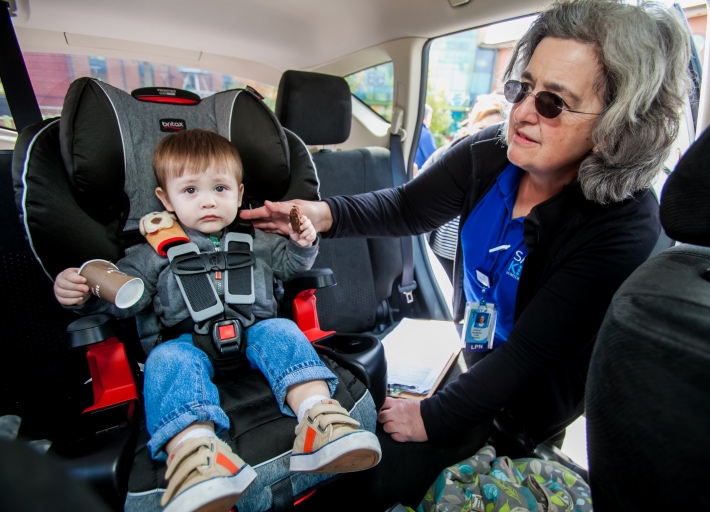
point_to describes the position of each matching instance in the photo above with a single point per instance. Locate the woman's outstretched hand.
(273, 217)
(402, 419)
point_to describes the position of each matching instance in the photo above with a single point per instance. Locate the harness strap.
(194, 282)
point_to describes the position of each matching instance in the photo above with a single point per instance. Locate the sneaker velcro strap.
(189, 456)
(330, 414)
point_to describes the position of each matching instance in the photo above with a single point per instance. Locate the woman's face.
(554, 148)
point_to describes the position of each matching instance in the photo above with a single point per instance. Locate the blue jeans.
(178, 388)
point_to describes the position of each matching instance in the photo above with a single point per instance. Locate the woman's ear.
(163, 196)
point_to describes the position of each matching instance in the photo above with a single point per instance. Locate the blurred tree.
(441, 120)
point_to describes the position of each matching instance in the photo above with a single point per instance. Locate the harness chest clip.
(228, 336)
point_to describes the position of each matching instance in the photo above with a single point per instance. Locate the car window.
(375, 88)
(464, 68)
(52, 73)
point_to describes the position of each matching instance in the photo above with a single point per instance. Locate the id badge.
(479, 327)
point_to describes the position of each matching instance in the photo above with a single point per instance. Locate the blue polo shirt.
(490, 227)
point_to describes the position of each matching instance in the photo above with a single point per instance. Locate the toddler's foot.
(204, 474)
(328, 441)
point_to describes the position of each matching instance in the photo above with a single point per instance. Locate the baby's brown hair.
(192, 152)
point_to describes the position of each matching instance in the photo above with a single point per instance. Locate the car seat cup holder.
(363, 356)
(111, 376)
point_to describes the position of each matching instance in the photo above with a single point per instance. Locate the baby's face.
(207, 202)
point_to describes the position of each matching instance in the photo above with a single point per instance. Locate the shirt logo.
(516, 265)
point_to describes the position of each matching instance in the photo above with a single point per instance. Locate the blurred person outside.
(427, 144)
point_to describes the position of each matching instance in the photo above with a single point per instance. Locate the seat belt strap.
(15, 79)
(239, 281)
(408, 285)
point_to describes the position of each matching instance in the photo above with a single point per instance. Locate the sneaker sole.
(223, 493)
(354, 452)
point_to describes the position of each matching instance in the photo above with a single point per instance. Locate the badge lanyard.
(480, 318)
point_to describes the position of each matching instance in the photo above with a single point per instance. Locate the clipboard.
(417, 396)
(419, 355)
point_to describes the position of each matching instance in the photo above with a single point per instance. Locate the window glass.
(468, 66)
(51, 74)
(375, 88)
(464, 68)
(6, 120)
(7, 124)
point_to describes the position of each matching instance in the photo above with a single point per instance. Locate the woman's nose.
(525, 111)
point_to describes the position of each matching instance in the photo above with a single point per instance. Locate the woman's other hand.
(402, 419)
(273, 217)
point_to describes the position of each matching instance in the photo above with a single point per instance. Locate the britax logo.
(172, 125)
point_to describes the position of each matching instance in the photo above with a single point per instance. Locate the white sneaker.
(204, 474)
(328, 441)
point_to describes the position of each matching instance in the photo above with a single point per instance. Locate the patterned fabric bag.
(486, 483)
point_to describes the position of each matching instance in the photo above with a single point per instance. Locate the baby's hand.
(307, 235)
(70, 288)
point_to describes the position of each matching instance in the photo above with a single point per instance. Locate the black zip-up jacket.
(579, 253)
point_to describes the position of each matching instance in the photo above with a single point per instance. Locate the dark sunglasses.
(547, 104)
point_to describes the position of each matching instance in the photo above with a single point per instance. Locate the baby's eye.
(220, 188)
(190, 190)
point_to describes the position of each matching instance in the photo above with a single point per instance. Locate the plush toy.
(162, 230)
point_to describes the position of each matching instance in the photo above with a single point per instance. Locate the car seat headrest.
(107, 140)
(685, 208)
(83, 181)
(315, 106)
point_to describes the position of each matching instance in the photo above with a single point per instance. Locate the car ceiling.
(278, 34)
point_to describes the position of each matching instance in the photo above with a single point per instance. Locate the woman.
(564, 182)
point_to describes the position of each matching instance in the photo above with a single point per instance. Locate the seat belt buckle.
(408, 291)
(228, 336)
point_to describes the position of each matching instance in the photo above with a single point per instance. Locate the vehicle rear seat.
(318, 109)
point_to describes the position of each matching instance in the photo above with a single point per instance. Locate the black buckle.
(193, 263)
(228, 336)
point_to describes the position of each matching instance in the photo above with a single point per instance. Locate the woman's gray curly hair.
(644, 52)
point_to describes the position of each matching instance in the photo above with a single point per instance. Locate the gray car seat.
(648, 391)
(82, 182)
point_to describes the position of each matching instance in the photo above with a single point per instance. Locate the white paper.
(417, 352)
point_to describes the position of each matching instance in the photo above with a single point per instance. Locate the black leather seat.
(648, 391)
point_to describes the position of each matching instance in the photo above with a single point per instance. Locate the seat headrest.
(685, 203)
(107, 140)
(315, 106)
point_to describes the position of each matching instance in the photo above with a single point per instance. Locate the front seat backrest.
(648, 391)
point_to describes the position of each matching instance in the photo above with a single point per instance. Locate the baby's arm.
(70, 288)
(307, 235)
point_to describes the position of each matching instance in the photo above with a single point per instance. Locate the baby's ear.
(241, 194)
(163, 197)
